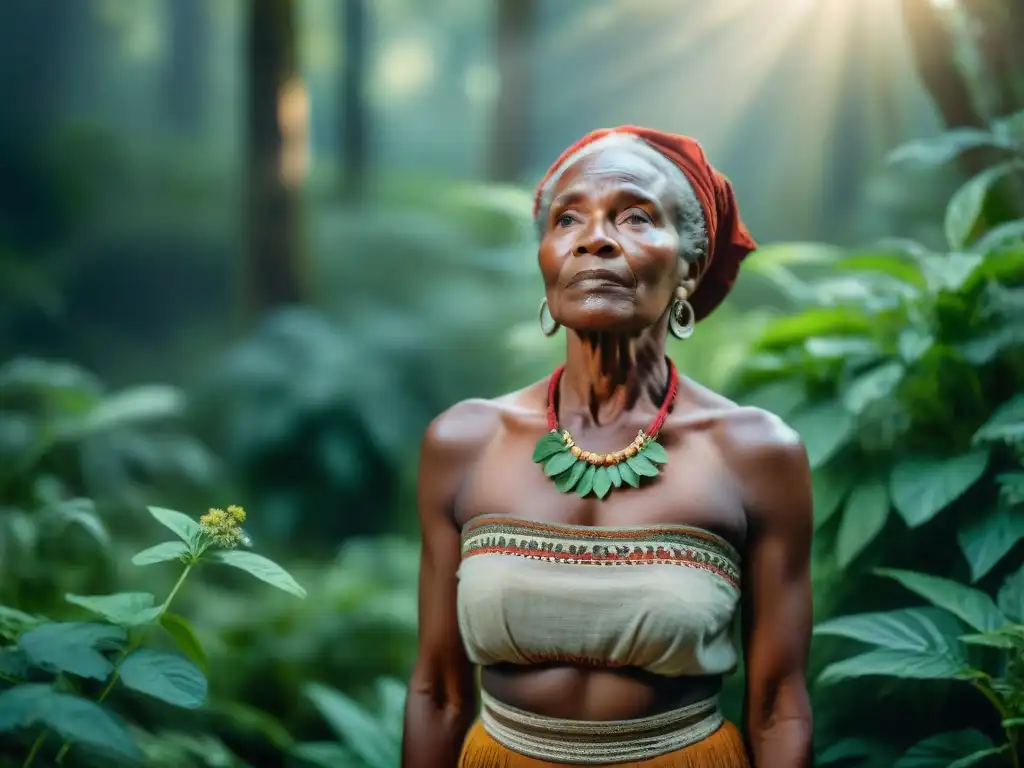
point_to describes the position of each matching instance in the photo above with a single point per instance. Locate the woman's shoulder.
(768, 458)
(470, 424)
(752, 437)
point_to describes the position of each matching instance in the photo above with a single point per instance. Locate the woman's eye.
(565, 220)
(637, 217)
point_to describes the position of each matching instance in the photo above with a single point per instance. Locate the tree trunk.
(354, 113)
(186, 75)
(933, 48)
(994, 31)
(274, 273)
(510, 145)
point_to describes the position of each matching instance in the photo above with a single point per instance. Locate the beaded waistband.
(587, 742)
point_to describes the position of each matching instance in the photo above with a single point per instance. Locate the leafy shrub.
(69, 446)
(369, 739)
(70, 654)
(901, 370)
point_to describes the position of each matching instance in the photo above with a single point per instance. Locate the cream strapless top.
(528, 593)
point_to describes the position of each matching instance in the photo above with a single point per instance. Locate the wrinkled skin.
(737, 471)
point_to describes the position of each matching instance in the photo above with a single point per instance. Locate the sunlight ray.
(719, 97)
(716, 19)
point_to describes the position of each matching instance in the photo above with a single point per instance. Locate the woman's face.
(609, 253)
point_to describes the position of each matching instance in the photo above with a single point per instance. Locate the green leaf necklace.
(574, 469)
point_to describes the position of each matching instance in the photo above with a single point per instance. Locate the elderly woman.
(528, 500)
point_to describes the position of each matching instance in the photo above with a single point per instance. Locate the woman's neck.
(607, 375)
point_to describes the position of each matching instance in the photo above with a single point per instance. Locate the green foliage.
(260, 567)
(321, 407)
(368, 739)
(72, 718)
(110, 651)
(901, 369)
(76, 461)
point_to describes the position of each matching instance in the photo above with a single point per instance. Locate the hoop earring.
(548, 329)
(682, 319)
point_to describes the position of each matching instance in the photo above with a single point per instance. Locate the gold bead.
(631, 451)
(576, 451)
(585, 455)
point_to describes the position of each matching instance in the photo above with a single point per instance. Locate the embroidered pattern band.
(576, 742)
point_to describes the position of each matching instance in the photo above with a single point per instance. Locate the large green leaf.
(910, 643)
(75, 720)
(875, 385)
(889, 263)
(355, 727)
(1011, 596)
(965, 208)
(886, 662)
(939, 150)
(164, 676)
(260, 567)
(911, 629)
(1000, 640)
(951, 271)
(1008, 233)
(185, 527)
(145, 403)
(72, 647)
(987, 538)
(863, 519)
(831, 485)
(825, 428)
(957, 749)
(1005, 425)
(129, 609)
(842, 348)
(972, 606)
(923, 486)
(796, 329)
(913, 343)
(160, 553)
(186, 639)
(80, 512)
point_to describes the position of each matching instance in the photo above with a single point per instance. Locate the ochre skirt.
(695, 737)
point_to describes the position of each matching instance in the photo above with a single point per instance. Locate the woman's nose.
(596, 242)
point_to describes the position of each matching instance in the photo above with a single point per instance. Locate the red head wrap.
(729, 242)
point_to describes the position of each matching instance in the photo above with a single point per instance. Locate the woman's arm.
(777, 612)
(441, 703)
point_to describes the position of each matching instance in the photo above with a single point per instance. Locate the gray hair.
(688, 215)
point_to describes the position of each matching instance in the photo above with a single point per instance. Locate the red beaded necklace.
(574, 469)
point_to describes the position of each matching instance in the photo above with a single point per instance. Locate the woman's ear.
(686, 289)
